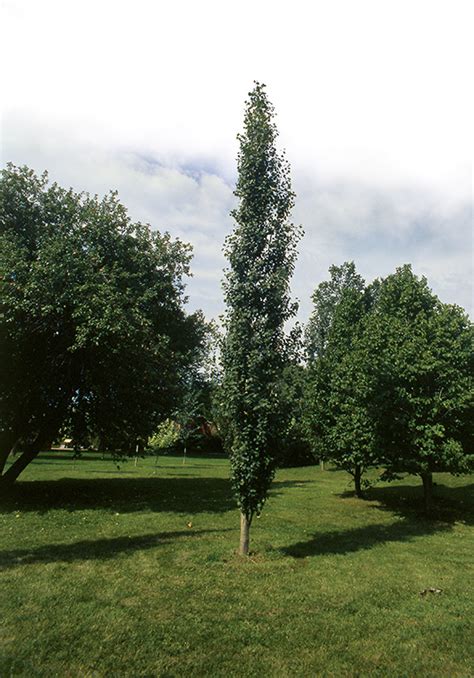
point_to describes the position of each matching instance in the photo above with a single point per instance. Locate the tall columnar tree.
(262, 253)
(93, 332)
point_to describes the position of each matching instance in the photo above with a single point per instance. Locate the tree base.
(244, 535)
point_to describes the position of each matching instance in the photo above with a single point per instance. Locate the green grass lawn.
(102, 576)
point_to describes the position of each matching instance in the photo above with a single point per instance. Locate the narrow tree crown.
(262, 254)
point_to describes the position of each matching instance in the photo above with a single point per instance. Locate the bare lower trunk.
(244, 534)
(3, 459)
(7, 446)
(30, 443)
(357, 481)
(321, 464)
(19, 465)
(427, 479)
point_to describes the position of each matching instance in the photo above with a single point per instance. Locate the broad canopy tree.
(420, 362)
(261, 252)
(93, 332)
(391, 384)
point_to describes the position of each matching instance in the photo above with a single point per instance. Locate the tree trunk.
(39, 440)
(357, 479)
(7, 446)
(19, 465)
(244, 534)
(321, 464)
(3, 459)
(427, 479)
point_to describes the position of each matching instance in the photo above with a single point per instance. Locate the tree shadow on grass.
(362, 538)
(126, 495)
(182, 494)
(449, 505)
(97, 549)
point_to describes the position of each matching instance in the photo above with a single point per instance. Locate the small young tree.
(262, 254)
(163, 439)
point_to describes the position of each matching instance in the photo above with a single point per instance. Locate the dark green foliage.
(261, 253)
(292, 446)
(325, 298)
(196, 414)
(393, 385)
(421, 357)
(93, 333)
(338, 422)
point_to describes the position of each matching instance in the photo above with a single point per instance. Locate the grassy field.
(102, 575)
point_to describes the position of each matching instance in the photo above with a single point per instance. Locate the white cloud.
(374, 108)
(381, 229)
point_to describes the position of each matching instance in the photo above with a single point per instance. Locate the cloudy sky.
(374, 104)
